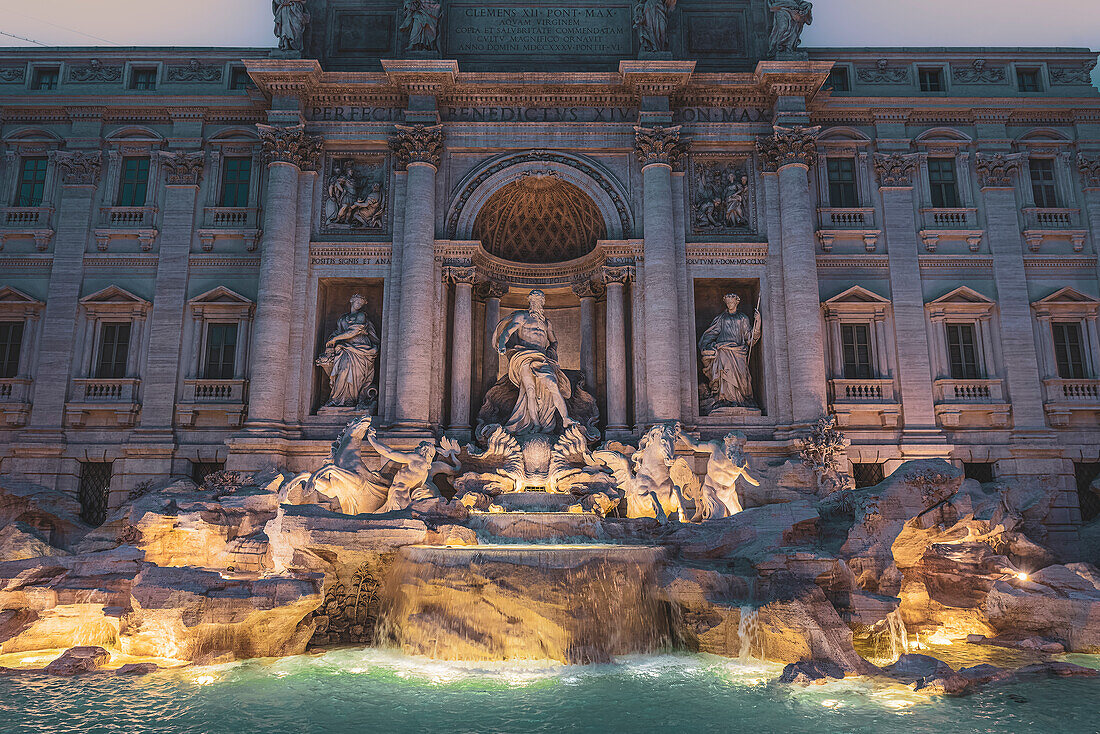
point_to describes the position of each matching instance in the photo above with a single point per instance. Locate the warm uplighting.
(1022, 576)
(939, 637)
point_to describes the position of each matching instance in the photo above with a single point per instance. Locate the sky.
(838, 23)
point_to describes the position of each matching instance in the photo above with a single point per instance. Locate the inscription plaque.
(560, 28)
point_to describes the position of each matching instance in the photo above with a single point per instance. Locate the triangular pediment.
(113, 294)
(1067, 295)
(221, 294)
(856, 294)
(14, 296)
(961, 295)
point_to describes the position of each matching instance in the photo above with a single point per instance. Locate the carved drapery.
(895, 170)
(1090, 170)
(78, 168)
(659, 145)
(183, 169)
(418, 144)
(995, 170)
(290, 145)
(788, 146)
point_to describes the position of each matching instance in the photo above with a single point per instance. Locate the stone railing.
(124, 217)
(1081, 392)
(969, 391)
(960, 218)
(862, 391)
(27, 217)
(93, 390)
(213, 391)
(857, 219)
(15, 390)
(230, 217)
(1037, 218)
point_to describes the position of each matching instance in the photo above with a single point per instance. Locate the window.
(221, 351)
(46, 78)
(931, 80)
(144, 79)
(978, 471)
(944, 182)
(11, 342)
(1027, 80)
(1068, 351)
(856, 347)
(843, 193)
(962, 354)
(239, 79)
(838, 80)
(95, 491)
(200, 470)
(1042, 183)
(134, 182)
(1086, 473)
(114, 349)
(867, 475)
(237, 173)
(32, 182)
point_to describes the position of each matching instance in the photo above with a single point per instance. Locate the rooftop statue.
(788, 19)
(349, 359)
(291, 20)
(651, 20)
(725, 348)
(421, 20)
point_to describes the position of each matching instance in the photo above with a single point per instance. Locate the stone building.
(182, 228)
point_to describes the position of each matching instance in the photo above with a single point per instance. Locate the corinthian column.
(1090, 178)
(288, 151)
(657, 148)
(790, 151)
(587, 291)
(490, 363)
(418, 149)
(616, 279)
(461, 345)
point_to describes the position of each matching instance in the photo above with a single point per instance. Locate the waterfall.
(750, 633)
(892, 640)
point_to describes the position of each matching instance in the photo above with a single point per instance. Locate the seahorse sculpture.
(639, 502)
(344, 483)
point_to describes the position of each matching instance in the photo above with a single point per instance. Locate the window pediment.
(222, 301)
(856, 301)
(114, 301)
(1067, 302)
(16, 303)
(961, 302)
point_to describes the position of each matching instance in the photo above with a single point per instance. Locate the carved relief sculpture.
(77, 167)
(788, 19)
(1066, 75)
(194, 72)
(95, 71)
(184, 169)
(1090, 170)
(725, 348)
(651, 20)
(978, 73)
(997, 169)
(349, 359)
(717, 497)
(355, 196)
(420, 20)
(883, 73)
(291, 21)
(722, 199)
(825, 452)
(895, 170)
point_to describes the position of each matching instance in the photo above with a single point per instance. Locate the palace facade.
(182, 228)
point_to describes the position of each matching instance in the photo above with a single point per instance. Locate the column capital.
(491, 289)
(995, 170)
(1090, 170)
(459, 274)
(618, 275)
(78, 167)
(896, 170)
(290, 145)
(418, 144)
(788, 146)
(586, 288)
(183, 168)
(659, 145)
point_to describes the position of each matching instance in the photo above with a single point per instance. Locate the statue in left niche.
(651, 20)
(725, 349)
(354, 199)
(420, 19)
(349, 359)
(291, 21)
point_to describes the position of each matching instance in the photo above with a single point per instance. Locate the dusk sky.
(838, 22)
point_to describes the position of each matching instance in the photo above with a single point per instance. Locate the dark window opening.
(1028, 80)
(843, 192)
(945, 183)
(931, 80)
(143, 79)
(221, 351)
(1068, 351)
(11, 344)
(239, 79)
(46, 78)
(32, 182)
(95, 491)
(867, 475)
(979, 471)
(200, 470)
(236, 176)
(1086, 473)
(838, 80)
(133, 184)
(962, 352)
(1042, 183)
(856, 346)
(114, 350)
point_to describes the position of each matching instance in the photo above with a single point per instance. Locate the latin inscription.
(540, 29)
(683, 115)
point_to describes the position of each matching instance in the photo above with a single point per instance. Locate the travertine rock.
(19, 542)
(811, 672)
(54, 515)
(77, 660)
(1059, 602)
(753, 534)
(137, 669)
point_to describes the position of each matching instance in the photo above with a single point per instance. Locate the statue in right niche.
(788, 19)
(651, 20)
(725, 348)
(349, 359)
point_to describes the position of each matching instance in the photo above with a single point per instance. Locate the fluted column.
(287, 151)
(587, 291)
(1089, 166)
(461, 345)
(615, 358)
(656, 149)
(418, 149)
(492, 292)
(790, 152)
(896, 175)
